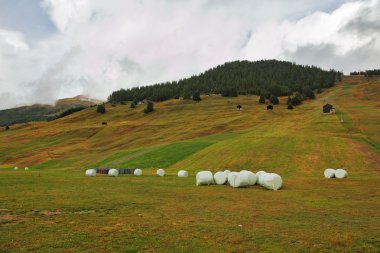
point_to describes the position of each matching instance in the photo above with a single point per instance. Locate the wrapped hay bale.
(204, 178)
(183, 173)
(252, 179)
(26, 168)
(137, 172)
(15, 168)
(91, 173)
(271, 181)
(329, 173)
(220, 177)
(340, 173)
(227, 172)
(236, 179)
(113, 173)
(259, 176)
(161, 172)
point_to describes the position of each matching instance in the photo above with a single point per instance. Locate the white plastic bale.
(15, 168)
(329, 173)
(260, 175)
(183, 173)
(113, 173)
(161, 172)
(340, 173)
(26, 168)
(227, 172)
(220, 177)
(91, 173)
(271, 181)
(236, 179)
(137, 172)
(252, 179)
(204, 178)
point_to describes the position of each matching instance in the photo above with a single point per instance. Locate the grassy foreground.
(54, 208)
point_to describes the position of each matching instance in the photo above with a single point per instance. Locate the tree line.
(367, 73)
(266, 77)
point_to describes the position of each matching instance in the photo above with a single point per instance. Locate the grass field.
(55, 208)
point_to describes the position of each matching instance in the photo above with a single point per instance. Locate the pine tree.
(101, 108)
(149, 107)
(262, 99)
(274, 100)
(197, 97)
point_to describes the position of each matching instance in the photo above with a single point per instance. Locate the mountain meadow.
(54, 207)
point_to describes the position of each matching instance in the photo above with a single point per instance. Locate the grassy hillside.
(53, 207)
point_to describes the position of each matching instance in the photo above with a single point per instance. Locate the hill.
(40, 112)
(266, 77)
(54, 206)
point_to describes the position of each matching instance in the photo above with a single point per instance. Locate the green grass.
(55, 208)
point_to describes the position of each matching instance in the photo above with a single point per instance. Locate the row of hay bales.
(243, 178)
(136, 172)
(116, 172)
(16, 168)
(338, 173)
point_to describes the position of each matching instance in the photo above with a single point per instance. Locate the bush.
(149, 107)
(122, 103)
(274, 100)
(6, 127)
(262, 99)
(290, 106)
(297, 99)
(133, 105)
(101, 108)
(197, 96)
(319, 91)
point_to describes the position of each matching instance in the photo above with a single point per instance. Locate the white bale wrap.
(113, 173)
(204, 178)
(227, 172)
(183, 173)
(26, 168)
(220, 177)
(252, 179)
(329, 173)
(161, 172)
(236, 179)
(15, 168)
(340, 173)
(91, 173)
(271, 181)
(260, 175)
(137, 172)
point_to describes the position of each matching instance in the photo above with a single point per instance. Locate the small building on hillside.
(239, 107)
(327, 108)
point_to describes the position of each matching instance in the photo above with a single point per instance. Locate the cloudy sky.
(52, 49)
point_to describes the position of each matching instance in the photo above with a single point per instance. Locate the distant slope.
(279, 78)
(210, 134)
(39, 112)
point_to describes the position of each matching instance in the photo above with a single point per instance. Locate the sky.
(52, 49)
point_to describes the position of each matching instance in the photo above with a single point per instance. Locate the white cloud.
(280, 39)
(100, 46)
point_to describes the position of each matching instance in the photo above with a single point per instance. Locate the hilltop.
(42, 112)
